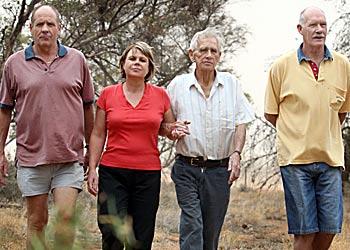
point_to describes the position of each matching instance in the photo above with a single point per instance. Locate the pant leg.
(187, 183)
(329, 198)
(143, 206)
(112, 205)
(214, 196)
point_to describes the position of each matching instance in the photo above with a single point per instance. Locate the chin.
(208, 68)
(320, 44)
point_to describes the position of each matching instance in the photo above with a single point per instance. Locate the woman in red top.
(129, 115)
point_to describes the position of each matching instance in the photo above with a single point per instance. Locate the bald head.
(309, 11)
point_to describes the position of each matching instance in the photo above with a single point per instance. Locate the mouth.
(208, 63)
(319, 37)
(45, 37)
(136, 69)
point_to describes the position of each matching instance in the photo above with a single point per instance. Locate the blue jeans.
(313, 197)
(203, 196)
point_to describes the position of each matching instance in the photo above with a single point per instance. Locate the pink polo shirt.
(48, 100)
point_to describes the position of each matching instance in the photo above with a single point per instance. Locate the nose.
(319, 28)
(208, 53)
(45, 28)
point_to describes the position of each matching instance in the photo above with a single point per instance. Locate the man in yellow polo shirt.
(307, 98)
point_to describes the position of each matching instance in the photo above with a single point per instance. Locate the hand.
(3, 170)
(86, 164)
(234, 166)
(180, 129)
(92, 182)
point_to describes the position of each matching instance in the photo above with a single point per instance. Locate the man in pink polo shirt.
(50, 87)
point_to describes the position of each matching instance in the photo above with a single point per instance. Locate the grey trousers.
(203, 195)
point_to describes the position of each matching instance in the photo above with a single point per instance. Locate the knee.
(65, 216)
(37, 221)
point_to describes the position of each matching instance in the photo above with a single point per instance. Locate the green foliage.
(121, 225)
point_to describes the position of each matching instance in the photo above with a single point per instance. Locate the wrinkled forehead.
(45, 12)
(208, 42)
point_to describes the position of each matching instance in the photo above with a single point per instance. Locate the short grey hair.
(302, 19)
(207, 33)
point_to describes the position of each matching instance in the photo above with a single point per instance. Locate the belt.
(200, 162)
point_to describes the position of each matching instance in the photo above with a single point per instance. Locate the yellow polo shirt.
(308, 127)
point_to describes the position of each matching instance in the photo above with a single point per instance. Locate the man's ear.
(191, 55)
(300, 28)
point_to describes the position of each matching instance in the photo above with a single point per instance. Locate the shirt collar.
(193, 80)
(303, 57)
(29, 51)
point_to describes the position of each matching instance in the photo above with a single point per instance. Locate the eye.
(143, 60)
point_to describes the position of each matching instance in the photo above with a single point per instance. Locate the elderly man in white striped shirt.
(208, 159)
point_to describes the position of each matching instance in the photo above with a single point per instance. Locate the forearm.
(239, 137)
(165, 130)
(168, 124)
(5, 119)
(342, 117)
(97, 141)
(88, 121)
(271, 118)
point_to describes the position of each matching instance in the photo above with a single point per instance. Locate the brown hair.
(147, 51)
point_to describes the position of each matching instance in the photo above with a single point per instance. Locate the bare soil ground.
(255, 220)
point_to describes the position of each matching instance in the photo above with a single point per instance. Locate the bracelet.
(238, 152)
(86, 146)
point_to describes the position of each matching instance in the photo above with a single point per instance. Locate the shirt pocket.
(226, 119)
(336, 97)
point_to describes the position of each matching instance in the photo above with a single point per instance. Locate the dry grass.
(255, 220)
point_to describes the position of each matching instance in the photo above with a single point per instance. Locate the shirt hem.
(127, 166)
(26, 164)
(282, 164)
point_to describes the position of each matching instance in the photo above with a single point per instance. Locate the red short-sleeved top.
(132, 133)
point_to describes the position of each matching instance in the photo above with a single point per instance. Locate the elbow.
(271, 118)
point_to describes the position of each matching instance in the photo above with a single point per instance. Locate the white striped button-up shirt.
(213, 119)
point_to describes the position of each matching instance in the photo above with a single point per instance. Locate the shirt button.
(45, 69)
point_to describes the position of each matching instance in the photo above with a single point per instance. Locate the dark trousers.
(203, 195)
(123, 193)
